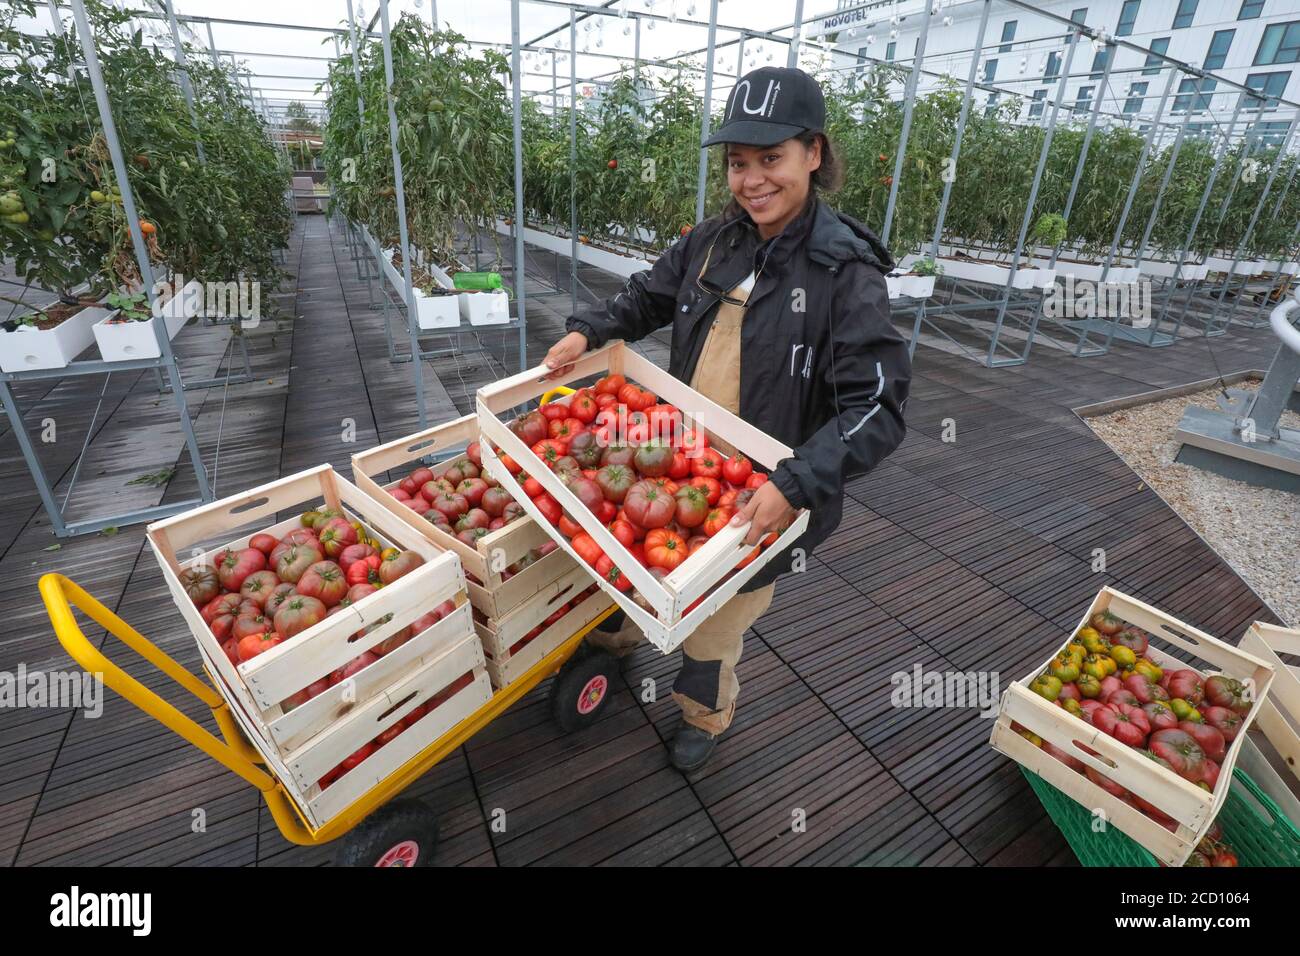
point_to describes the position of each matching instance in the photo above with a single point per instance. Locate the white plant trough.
(29, 349)
(1188, 271)
(125, 341)
(620, 265)
(992, 273)
(917, 287)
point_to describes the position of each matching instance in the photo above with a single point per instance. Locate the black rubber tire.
(397, 822)
(577, 672)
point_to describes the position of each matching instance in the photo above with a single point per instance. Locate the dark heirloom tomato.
(614, 482)
(653, 460)
(201, 584)
(234, 566)
(250, 624)
(1209, 737)
(422, 475)
(648, 505)
(530, 427)
(494, 501)
(618, 455)
(222, 612)
(474, 518)
(279, 594)
(472, 490)
(355, 552)
(1181, 751)
(297, 614)
(587, 491)
(692, 506)
(1224, 691)
(451, 505)
(568, 465)
(294, 562)
(398, 565)
(514, 510)
(586, 448)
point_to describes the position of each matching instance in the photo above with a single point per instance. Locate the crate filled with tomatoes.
(637, 476)
(517, 578)
(1118, 723)
(341, 639)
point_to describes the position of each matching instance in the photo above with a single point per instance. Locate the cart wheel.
(403, 833)
(581, 689)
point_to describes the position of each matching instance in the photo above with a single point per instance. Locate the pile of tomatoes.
(1178, 719)
(458, 498)
(659, 487)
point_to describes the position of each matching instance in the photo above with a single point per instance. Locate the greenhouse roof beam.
(606, 11)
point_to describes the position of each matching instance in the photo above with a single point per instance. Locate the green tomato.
(21, 218)
(97, 196)
(1089, 686)
(1064, 669)
(45, 235)
(1185, 711)
(1046, 686)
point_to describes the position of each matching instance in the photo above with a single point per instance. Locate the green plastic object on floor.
(477, 280)
(1253, 825)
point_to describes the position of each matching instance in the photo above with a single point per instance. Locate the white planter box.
(437, 311)
(486, 307)
(135, 340)
(620, 265)
(917, 287)
(1089, 271)
(991, 273)
(895, 286)
(30, 349)
(1188, 271)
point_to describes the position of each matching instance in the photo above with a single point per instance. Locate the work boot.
(612, 624)
(691, 748)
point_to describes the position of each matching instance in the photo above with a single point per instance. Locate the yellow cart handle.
(61, 594)
(555, 393)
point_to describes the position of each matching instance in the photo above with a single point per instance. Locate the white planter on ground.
(486, 307)
(124, 341)
(437, 311)
(30, 349)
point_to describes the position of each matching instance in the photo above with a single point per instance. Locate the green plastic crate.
(1257, 839)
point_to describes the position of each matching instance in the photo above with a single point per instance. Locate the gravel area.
(1256, 530)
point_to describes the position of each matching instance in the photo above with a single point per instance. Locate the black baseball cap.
(770, 105)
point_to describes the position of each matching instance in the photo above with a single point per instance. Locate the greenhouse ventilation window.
(1158, 45)
(1186, 13)
(1280, 44)
(1218, 52)
(1128, 15)
(1251, 9)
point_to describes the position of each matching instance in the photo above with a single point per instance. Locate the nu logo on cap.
(764, 108)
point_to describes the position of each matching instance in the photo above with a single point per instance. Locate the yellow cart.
(380, 831)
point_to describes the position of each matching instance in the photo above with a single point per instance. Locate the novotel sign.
(863, 16)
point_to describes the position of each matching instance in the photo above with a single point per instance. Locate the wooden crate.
(506, 662)
(495, 596)
(705, 576)
(1279, 716)
(1191, 806)
(301, 745)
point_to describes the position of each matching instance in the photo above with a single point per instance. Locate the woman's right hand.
(564, 353)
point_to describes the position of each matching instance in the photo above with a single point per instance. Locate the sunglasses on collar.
(710, 288)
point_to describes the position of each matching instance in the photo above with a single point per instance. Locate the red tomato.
(364, 570)
(509, 464)
(665, 549)
(695, 438)
(555, 411)
(711, 487)
(610, 385)
(550, 451)
(756, 479)
(254, 644)
(583, 406)
(564, 429)
(728, 499)
(707, 465)
(697, 542)
(587, 548)
(610, 572)
(533, 487)
(356, 758)
(680, 468)
(605, 401)
(737, 469)
(622, 530)
(649, 505)
(549, 507)
(607, 512)
(263, 542)
(716, 520)
(636, 398)
(568, 527)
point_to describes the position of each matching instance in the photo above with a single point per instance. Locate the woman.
(780, 314)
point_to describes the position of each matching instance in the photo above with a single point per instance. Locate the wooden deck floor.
(965, 555)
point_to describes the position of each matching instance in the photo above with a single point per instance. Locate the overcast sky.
(489, 21)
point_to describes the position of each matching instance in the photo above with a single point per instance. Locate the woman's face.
(772, 182)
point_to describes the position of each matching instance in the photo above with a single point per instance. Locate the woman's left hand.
(766, 511)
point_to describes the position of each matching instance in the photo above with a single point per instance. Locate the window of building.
(1153, 63)
(1272, 134)
(1136, 94)
(991, 105)
(1008, 34)
(1251, 9)
(1078, 16)
(1084, 99)
(1218, 52)
(889, 52)
(1036, 107)
(1272, 85)
(1192, 89)
(1053, 66)
(1099, 62)
(1280, 44)
(990, 70)
(1185, 14)
(1128, 15)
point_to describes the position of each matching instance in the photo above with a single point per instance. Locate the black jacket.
(823, 370)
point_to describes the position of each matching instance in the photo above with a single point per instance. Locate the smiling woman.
(780, 314)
